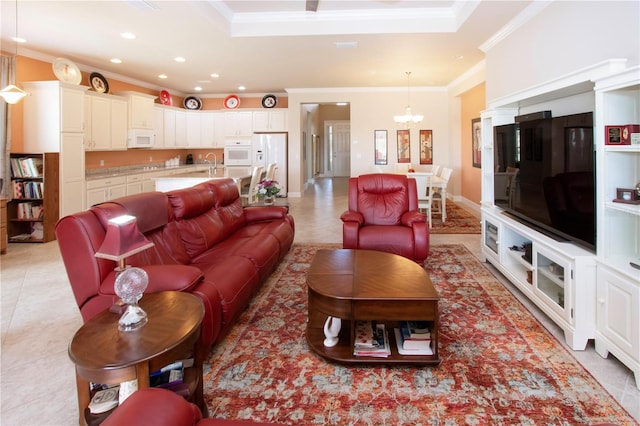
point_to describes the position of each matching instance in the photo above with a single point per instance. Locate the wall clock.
(269, 101)
(231, 102)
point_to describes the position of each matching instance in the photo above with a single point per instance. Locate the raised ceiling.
(267, 46)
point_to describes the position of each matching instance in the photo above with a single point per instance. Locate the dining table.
(441, 184)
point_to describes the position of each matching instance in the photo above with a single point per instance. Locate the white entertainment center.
(590, 295)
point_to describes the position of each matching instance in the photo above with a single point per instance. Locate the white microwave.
(237, 153)
(141, 138)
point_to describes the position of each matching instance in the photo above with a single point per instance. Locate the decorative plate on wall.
(192, 102)
(231, 102)
(165, 98)
(99, 83)
(269, 101)
(66, 71)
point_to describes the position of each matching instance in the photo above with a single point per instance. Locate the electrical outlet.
(101, 163)
(150, 159)
(199, 156)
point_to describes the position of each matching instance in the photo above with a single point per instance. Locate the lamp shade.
(12, 94)
(123, 239)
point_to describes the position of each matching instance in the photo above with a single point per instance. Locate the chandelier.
(12, 94)
(408, 118)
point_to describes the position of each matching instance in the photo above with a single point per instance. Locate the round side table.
(103, 354)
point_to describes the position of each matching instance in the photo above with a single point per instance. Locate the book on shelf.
(104, 400)
(27, 167)
(425, 349)
(170, 376)
(374, 345)
(415, 330)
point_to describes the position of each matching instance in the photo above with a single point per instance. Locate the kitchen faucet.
(212, 170)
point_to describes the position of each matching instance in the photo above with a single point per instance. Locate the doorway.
(338, 141)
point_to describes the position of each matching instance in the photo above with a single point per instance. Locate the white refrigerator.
(270, 148)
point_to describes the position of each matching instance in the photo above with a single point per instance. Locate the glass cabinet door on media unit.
(550, 282)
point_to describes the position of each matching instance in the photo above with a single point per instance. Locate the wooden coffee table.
(103, 354)
(368, 285)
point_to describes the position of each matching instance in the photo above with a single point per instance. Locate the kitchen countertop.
(134, 170)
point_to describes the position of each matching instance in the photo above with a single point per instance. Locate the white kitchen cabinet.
(238, 124)
(105, 122)
(270, 121)
(207, 127)
(158, 127)
(617, 100)
(141, 107)
(169, 128)
(54, 122)
(560, 278)
(134, 184)
(194, 129)
(181, 129)
(101, 190)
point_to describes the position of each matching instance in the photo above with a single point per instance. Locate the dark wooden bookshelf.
(19, 230)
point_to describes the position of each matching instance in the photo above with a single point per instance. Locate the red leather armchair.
(383, 215)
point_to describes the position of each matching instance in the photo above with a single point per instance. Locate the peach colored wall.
(28, 69)
(472, 102)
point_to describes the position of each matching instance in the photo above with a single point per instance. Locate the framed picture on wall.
(476, 143)
(404, 149)
(380, 146)
(426, 147)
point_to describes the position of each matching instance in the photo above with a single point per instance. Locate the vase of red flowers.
(268, 190)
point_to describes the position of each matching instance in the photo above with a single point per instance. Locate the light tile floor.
(39, 317)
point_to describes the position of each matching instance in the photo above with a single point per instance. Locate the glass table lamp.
(124, 239)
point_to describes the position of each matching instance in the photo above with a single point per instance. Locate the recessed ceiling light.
(116, 61)
(203, 81)
(163, 76)
(197, 89)
(128, 36)
(19, 39)
(179, 59)
(346, 44)
(214, 75)
(242, 88)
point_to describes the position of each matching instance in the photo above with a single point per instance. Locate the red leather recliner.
(383, 215)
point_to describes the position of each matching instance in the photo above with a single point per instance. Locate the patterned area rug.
(499, 365)
(459, 221)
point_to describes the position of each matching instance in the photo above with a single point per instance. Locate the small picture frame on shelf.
(627, 196)
(613, 135)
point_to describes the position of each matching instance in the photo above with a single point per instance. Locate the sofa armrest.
(264, 213)
(411, 217)
(352, 216)
(161, 278)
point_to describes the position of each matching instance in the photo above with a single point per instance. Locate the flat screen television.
(544, 176)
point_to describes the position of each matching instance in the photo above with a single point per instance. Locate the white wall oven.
(237, 153)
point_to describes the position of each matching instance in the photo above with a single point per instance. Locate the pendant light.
(12, 94)
(408, 118)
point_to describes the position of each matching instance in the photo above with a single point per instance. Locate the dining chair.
(249, 197)
(271, 171)
(436, 170)
(424, 186)
(438, 206)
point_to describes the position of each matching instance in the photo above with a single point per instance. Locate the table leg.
(444, 205)
(84, 397)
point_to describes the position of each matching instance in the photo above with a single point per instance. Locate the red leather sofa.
(160, 407)
(205, 243)
(383, 215)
